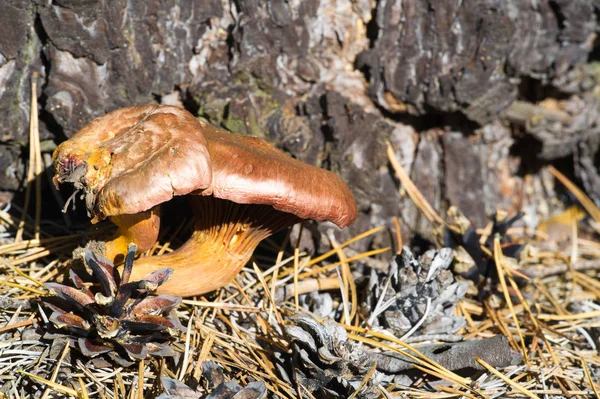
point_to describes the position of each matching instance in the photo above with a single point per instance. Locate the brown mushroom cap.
(134, 158)
(248, 170)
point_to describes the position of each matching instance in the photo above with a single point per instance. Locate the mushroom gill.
(224, 238)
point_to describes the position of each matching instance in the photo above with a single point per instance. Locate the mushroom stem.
(141, 228)
(225, 236)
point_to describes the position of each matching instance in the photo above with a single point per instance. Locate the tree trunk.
(476, 96)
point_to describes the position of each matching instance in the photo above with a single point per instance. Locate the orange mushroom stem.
(141, 228)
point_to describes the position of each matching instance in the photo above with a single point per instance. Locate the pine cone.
(326, 362)
(219, 387)
(398, 300)
(110, 315)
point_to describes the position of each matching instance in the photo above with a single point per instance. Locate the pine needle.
(569, 317)
(364, 381)
(510, 382)
(421, 358)
(498, 259)
(398, 233)
(56, 387)
(589, 377)
(332, 252)
(296, 257)
(412, 190)
(336, 264)
(585, 201)
(84, 392)
(348, 280)
(20, 273)
(140, 387)
(222, 305)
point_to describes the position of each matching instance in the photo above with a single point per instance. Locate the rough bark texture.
(330, 82)
(469, 56)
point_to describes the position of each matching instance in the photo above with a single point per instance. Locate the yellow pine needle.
(204, 352)
(569, 317)
(533, 319)
(364, 380)
(345, 244)
(349, 284)
(586, 371)
(33, 243)
(589, 284)
(510, 382)
(336, 264)
(497, 319)
(398, 233)
(412, 190)
(220, 338)
(276, 267)
(423, 359)
(499, 260)
(553, 301)
(261, 360)
(140, 390)
(25, 288)
(513, 284)
(296, 259)
(428, 365)
(21, 273)
(461, 311)
(585, 201)
(455, 392)
(305, 390)
(18, 324)
(35, 167)
(344, 294)
(550, 350)
(259, 373)
(39, 168)
(84, 392)
(57, 387)
(443, 377)
(267, 292)
(206, 347)
(222, 305)
(186, 352)
(42, 253)
(121, 384)
(296, 298)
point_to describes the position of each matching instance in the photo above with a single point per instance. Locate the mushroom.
(247, 190)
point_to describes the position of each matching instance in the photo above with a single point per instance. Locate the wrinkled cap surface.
(134, 158)
(248, 170)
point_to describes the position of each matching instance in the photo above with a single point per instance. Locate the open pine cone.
(326, 362)
(110, 315)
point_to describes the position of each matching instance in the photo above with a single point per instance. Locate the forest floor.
(257, 338)
(507, 312)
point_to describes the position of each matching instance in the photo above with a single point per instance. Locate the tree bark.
(330, 82)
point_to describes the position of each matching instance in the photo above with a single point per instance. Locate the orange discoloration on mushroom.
(140, 228)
